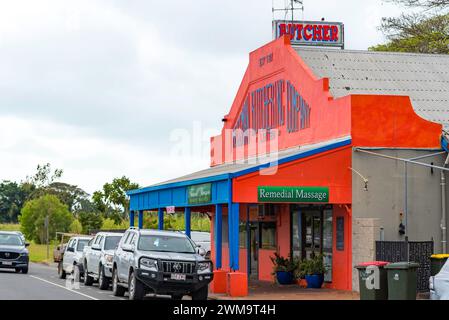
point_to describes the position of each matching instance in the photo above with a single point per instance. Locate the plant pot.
(284, 277)
(315, 281)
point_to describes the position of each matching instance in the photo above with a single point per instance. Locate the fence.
(416, 251)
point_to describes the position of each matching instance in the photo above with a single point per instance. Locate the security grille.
(9, 255)
(178, 267)
(415, 251)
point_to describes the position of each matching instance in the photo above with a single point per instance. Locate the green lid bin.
(370, 287)
(402, 280)
(437, 261)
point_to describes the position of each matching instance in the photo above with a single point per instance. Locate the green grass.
(38, 252)
(9, 227)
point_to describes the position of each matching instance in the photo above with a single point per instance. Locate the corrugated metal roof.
(250, 163)
(422, 77)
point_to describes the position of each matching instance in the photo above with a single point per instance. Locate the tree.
(90, 221)
(423, 32)
(112, 200)
(12, 199)
(35, 212)
(44, 176)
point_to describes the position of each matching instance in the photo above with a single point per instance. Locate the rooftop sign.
(311, 33)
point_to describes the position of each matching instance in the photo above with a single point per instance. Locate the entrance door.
(254, 249)
(312, 233)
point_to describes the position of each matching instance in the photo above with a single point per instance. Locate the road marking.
(58, 285)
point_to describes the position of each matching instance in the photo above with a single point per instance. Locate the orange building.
(286, 173)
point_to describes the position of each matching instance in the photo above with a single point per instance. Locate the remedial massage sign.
(293, 194)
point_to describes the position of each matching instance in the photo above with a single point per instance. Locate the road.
(42, 283)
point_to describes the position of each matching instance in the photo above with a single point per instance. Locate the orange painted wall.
(326, 169)
(265, 265)
(390, 121)
(342, 260)
(329, 118)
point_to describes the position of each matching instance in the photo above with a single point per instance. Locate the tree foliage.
(12, 199)
(422, 32)
(90, 221)
(112, 200)
(35, 212)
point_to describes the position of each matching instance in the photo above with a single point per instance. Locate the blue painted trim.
(444, 143)
(179, 184)
(131, 218)
(187, 220)
(140, 219)
(218, 235)
(160, 218)
(293, 158)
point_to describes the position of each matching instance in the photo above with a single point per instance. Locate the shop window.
(327, 243)
(267, 210)
(224, 230)
(340, 234)
(268, 235)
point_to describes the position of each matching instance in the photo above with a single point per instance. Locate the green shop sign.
(293, 194)
(200, 193)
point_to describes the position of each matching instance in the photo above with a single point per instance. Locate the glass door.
(254, 249)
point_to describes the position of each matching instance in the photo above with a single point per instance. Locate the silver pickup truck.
(97, 258)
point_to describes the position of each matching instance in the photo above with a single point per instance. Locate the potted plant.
(284, 268)
(313, 271)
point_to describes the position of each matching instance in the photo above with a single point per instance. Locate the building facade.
(316, 156)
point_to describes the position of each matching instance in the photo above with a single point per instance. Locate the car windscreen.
(81, 244)
(10, 240)
(111, 242)
(165, 244)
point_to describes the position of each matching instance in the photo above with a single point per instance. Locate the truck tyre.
(136, 289)
(61, 272)
(117, 289)
(201, 294)
(88, 280)
(103, 281)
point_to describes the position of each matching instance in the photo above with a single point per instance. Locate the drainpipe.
(443, 208)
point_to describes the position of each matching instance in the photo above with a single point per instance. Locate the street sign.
(171, 209)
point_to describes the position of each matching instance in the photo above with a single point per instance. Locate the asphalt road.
(42, 283)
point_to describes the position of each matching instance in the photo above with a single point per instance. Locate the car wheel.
(117, 289)
(76, 274)
(136, 290)
(24, 270)
(61, 272)
(88, 280)
(201, 294)
(103, 282)
(177, 296)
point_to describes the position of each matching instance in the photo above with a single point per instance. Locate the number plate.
(178, 276)
(6, 263)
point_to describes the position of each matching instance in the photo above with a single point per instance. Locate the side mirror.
(127, 248)
(70, 249)
(27, 244)
(201, 251)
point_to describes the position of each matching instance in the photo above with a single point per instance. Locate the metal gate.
(416, 251)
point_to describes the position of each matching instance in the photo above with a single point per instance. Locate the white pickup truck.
(97, 258)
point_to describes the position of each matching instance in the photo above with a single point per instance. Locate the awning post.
(218, 235)
(160, 218)
(140, 219)
(131, 218)
(187, 220)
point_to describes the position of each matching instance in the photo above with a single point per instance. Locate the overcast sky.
(116, 87)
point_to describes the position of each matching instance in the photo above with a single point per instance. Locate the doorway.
(311, 233)
(254, 235)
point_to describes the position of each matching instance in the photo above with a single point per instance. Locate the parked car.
(160, 262)
(97, 258)
(58, 252)
(13, 252)
(439, 284)
(202, 239)
(72, 261)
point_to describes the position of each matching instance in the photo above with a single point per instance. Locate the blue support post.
(131, 218)
(218, 236)
(230, 223)
(160, 218)
(140, 219)
(187, 220)
(235, 235)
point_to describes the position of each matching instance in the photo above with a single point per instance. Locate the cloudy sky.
(104, 88)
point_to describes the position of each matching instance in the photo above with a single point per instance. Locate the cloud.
(97, 87)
